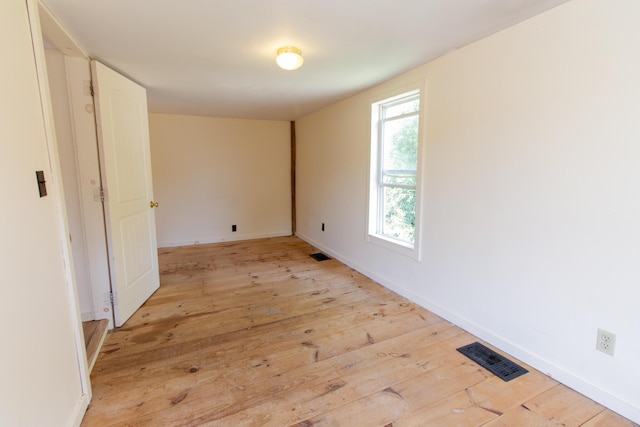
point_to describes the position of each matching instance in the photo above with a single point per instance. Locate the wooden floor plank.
(257, 333)
(235, 388)
(407, 394)
(607, 419)
(456, 409)
(330, 392)
(565, 405)
(499, 396)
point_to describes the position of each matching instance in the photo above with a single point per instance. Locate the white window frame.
(375, 164)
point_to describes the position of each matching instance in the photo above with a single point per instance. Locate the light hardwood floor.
(257, 333)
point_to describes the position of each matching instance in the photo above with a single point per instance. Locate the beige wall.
(530, 194)
(210, 173)
(41, 380)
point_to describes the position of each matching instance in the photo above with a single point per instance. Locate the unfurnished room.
(320, 213)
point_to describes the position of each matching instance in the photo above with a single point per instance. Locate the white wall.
(41, 380)
(210, 173)
(531, 193)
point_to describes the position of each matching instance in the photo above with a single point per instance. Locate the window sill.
(394, 245)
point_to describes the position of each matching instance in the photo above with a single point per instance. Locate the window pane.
(399, 206)
(400, 145)
(394, 167)
(401, 108)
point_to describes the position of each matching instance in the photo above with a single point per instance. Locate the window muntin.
(395, 166)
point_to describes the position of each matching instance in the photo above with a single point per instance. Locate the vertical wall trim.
(293, 178)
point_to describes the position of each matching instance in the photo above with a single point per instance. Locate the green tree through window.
(396, 164)
(400, 215)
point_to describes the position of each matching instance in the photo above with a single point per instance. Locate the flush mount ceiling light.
(289, 58)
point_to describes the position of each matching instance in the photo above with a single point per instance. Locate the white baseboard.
(78, 412)
(622, 407)
(222, 239)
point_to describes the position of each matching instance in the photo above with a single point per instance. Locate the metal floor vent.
(492, 361)
(319, 257)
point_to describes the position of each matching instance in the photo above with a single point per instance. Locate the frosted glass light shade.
(289, 58)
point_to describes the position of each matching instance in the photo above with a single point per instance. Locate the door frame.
(78, 76)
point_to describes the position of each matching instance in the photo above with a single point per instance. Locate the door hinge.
(91, 89)
(110, 298)
(99, 194)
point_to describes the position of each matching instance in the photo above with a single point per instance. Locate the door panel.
(123, 135)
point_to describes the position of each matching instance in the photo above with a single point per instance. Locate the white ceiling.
(217, 57)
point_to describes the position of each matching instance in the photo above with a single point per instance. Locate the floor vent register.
(492, 361)
(319, 257)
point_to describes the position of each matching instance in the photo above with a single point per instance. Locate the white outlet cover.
(606, 342)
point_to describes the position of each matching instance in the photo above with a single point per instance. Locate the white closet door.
(123, 136)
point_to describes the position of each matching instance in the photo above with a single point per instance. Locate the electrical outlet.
(606, 342)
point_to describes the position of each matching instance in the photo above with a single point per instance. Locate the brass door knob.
(153, 204)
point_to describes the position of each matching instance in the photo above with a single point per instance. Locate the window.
(394, 170)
